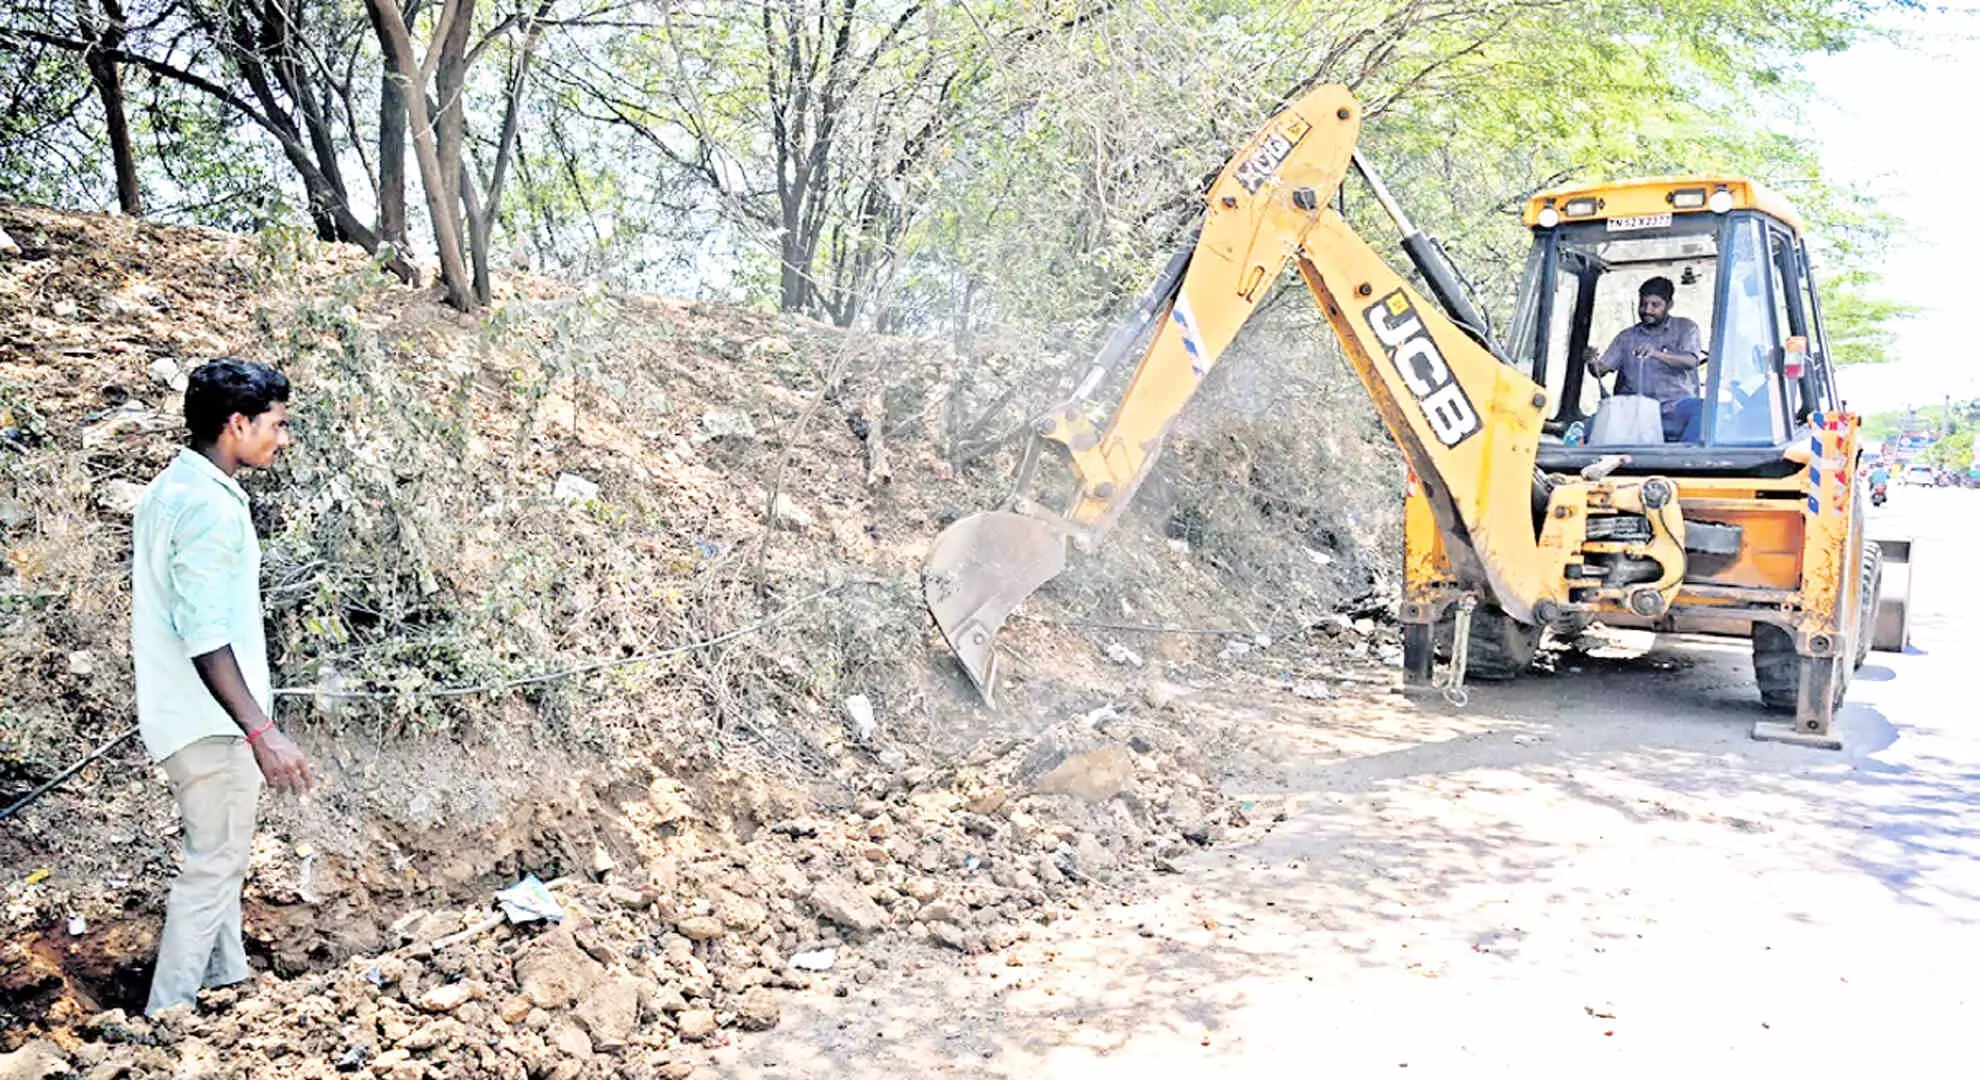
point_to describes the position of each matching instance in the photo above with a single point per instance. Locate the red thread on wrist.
(259, 732)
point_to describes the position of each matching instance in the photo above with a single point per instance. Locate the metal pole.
(1389, 204)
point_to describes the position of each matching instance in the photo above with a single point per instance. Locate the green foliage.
(1884, 425)
(48, 148)
(1860, 323)
(1954, 452)
(1009, 167)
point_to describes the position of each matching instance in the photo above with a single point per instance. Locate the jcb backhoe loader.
(1514, 521)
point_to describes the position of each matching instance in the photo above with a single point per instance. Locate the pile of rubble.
(662, 954)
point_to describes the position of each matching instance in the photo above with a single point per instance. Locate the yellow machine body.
(1512, 522)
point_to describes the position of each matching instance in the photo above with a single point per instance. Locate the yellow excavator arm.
(1468, 424)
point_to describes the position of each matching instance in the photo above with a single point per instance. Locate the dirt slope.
(538, 514)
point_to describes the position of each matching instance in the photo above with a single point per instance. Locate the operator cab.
(1735, 254)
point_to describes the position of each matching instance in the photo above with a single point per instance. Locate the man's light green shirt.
(195, 586)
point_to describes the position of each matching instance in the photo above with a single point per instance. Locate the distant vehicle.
(1919, 476)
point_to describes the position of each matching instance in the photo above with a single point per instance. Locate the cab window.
(1820, 394)
(1744, 389)
(1585, 294)
(1741, 277)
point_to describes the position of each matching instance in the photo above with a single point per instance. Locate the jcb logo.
(1259, 167)
(1422, 367)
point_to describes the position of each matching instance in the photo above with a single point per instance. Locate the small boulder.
(700, 927)
(119, 498)
(697, 1024)
(815, 959)
(572, 488)
(789, 515)
(955, 937)
(569, 1041)
(451, 996)
(1095, 776)
(757, 1009)
(739, 913)
(610, 1012)
(847, 906)
(553, 972)
(37, 1060)
(725, 424)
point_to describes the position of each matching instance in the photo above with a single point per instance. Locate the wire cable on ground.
(1289, 630)
(23, 801)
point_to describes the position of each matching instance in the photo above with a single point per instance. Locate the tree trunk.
(481, 218)
(391, 144)
(392, 158)
(396, 39)
(254, 47)
(450, 119)
(109, 80)
(480, 225)
(325, 203)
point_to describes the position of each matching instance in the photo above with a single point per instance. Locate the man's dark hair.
(1658, 286)
(218, 389)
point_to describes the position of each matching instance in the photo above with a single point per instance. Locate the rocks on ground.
(690, 932)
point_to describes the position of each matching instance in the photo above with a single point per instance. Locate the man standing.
(1658, 358)
(203, 694)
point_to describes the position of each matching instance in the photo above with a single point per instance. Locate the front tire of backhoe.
(1873, 583)
(1501, 648)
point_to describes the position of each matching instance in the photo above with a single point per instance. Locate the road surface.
(1593, 873)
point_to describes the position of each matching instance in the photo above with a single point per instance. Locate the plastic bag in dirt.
(529, 900)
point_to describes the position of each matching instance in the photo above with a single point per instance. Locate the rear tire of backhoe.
(1780, 671)
(1501, 648)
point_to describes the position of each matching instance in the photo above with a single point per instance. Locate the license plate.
(1642, 221)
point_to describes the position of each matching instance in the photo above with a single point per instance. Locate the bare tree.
(483, 205)
(414, 74)
(105, 29)
(463, 210)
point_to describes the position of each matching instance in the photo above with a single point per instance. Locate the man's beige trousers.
(216, 782)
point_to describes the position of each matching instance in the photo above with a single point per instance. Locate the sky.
(1900, 117)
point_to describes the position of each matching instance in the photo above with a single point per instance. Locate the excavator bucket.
(983, 566)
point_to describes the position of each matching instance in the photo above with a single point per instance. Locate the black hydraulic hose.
(1442, 280)
(30, 797)
(1431, 262)
(1130, 329)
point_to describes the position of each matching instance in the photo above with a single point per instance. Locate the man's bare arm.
(1690, 352)
(281, 761)
(1680, 360)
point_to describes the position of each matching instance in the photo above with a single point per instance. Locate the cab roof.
(1655, 195)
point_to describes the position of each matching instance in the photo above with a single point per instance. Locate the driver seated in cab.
(1658, 357)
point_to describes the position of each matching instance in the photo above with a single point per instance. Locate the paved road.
(1592, 873)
